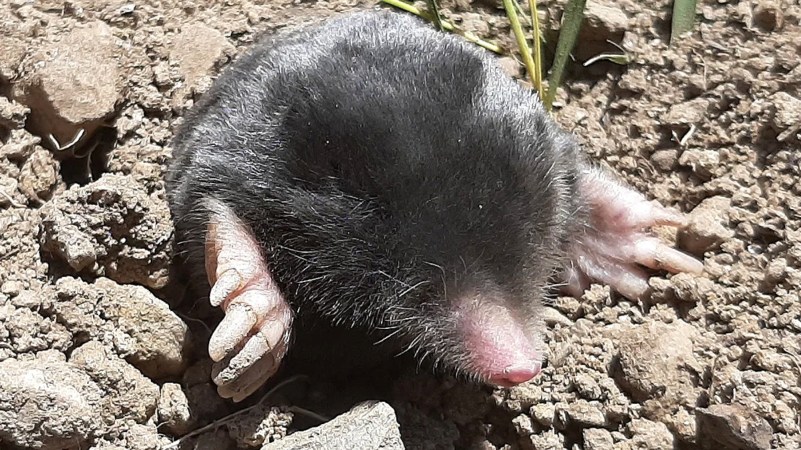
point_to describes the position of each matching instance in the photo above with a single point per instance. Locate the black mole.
(371, 174)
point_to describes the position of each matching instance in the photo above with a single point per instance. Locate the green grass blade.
(521, 13)
(571, 25)
(683, 18)
(525, 52)
(536, 32)
(433, 9)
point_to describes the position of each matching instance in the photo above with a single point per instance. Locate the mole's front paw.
(250, 342)
(615, 244)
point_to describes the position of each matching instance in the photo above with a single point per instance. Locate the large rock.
(369, 425)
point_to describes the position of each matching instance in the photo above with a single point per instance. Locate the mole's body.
(374, 174)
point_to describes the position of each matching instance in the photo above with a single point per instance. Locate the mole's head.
(442, 242)
(434, 197)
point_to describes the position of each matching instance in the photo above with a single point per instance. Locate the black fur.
(385, 168)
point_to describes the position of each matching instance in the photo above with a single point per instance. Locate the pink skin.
(252, 339)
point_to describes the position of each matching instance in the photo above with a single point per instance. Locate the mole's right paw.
(615, 245)
(250, 342)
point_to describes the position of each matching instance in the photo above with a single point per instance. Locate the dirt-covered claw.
(663, 216)
(615, 206)
(226, 284)
(575, 281)
(627, 279)
(243, 374)
(239, 320)
(249, 389)
(653, 253)
(251, 381)
(630, 281)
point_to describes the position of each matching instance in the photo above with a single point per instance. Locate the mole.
(370, 175)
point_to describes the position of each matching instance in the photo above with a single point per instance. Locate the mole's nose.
(512, 376)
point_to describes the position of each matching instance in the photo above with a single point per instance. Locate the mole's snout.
(502, 349)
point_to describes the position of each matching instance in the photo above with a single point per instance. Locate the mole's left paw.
(615, 245)
(250, 342)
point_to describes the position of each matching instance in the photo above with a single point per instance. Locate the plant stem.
(525, 52)
(447, 26)
(537, 43)
(433, 10)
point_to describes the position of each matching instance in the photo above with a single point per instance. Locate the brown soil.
(100, 347)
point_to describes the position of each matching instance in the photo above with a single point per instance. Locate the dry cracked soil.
(101, 346)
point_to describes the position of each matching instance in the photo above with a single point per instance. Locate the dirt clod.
(173, 410)
(649, 434)
(581, 413)
(126, 389)
(12, 114)
(39, 176)
(50, 405)
(196, 51)
(72, 85)
(612, 20)
(708, 226)
(704, 163)
(768, 15)
(732, 427)
(112, 228)
(260, 426)
(597, 439)
(127, 318)
(19, 147)
(652, 358)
